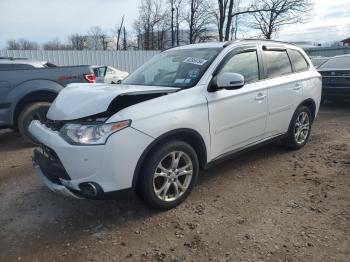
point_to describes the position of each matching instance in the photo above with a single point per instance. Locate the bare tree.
(22, 44)
(199, 18)
(172, 10)
(96, 35)
(222, 17)
(178, 9)
(55, 44)
(118, 31)
(78, 42)
(105, 40)
(149, 23)
(28, 45)
(125, 40)
(13, 44)
(229, 10)
(280, 13)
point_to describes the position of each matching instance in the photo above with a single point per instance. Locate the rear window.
(298, 60)
(277, 63)
(337, 62)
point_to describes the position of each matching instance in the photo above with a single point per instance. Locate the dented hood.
(82, 100)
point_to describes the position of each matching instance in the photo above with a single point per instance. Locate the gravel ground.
(270, 204)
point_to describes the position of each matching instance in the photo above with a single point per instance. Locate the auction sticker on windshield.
(195, 61)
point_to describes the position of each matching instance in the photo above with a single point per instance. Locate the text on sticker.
(195, 61)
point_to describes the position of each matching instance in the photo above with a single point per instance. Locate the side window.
(245, 64)
(298, 60)
(277, 63)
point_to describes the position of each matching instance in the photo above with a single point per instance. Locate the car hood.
(82, 100)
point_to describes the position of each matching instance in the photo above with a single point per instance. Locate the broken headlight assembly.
(91, 133)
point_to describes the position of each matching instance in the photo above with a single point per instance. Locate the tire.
(35, 111)
(299, 130)
(168, 178)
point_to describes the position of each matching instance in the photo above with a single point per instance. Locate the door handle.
(260, 97)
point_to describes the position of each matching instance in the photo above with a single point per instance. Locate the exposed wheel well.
(310, 103)
(187, 135)
(38, 96)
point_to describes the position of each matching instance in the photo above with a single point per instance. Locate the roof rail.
(254, 39)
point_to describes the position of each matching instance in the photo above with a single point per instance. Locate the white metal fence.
(123, 60)
(328, 51)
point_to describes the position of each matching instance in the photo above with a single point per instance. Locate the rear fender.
(26, 88)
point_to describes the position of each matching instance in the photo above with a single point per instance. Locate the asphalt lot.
(267, 205)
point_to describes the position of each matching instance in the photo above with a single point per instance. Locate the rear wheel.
(299, 129)
(169, 175)
(35, 111)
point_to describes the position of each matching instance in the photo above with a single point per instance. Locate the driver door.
(238, 117)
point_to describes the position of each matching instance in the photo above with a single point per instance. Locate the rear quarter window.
(298, 60)
(277, 63)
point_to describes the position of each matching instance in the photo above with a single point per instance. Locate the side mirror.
(229, 81)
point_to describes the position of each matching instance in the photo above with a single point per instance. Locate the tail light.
(90, 78)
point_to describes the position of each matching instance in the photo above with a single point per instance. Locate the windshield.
(337, 62)
(177, 68)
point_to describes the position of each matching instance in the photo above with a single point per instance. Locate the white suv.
(182, 111)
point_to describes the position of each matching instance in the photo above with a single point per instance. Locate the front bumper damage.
(51, 171)
(92, 172)
(57, 188)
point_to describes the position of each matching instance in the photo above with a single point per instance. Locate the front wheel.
(299, 129)
(168, 176)
(35, 111)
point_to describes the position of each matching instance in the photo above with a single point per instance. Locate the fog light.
(90, 190)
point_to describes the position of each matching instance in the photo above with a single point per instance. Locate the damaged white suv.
(183, 111)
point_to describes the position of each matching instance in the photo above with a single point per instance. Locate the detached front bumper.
(71, 169)
(57, 188)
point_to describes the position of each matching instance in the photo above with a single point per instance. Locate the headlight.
(91, 134)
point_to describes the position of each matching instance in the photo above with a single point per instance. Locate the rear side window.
(245, 64)
(277, 63)
(298, 60)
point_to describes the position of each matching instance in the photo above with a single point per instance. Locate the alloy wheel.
(302, 127)
(173, 176)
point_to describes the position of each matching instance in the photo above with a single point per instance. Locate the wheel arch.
(311, 104)
(189, 136)
(32, 97)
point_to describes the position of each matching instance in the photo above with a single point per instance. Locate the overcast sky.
(43, 20)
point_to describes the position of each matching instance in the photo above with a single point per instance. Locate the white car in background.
(186, 109)
(109, 75)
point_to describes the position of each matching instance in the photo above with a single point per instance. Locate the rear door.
(100, 73)
(238, 117)
(284, 89)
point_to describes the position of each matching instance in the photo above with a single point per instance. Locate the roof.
(11, 60)
(225, 44)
